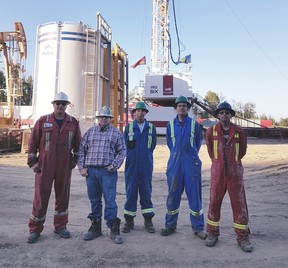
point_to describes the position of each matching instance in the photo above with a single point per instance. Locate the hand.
(36, 168)
(73, 162)
(84, 172)
(111, 168)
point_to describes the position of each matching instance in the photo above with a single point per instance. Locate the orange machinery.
(14, 47)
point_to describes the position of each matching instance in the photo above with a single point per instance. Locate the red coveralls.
(227, 174)
(57, 155)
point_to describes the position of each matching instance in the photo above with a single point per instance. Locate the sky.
(239, 49)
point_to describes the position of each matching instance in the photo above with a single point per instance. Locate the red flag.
(142, 61)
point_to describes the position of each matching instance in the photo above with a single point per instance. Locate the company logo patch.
(48, 125)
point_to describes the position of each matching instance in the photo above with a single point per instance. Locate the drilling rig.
(162, 87)
(14, 47)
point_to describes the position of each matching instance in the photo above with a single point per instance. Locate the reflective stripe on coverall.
(55, 148)
(227, 174)
(139, 167)
(184, 171)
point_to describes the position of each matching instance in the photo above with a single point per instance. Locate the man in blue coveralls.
(140, 138)
(184, 139)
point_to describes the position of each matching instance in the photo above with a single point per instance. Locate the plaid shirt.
(101, 148)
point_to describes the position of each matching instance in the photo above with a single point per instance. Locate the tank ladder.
(90, 75)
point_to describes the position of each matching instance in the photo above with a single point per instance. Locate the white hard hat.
(105, 111)
(60, 96)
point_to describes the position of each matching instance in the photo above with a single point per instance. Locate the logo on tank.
(48, 51)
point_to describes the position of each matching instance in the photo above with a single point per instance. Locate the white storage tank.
(61, 64)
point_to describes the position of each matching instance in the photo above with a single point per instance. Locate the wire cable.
(177, 36)
(255, 41)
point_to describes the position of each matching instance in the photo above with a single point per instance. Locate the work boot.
(167, 231)
(245, 245)
(201, 234)
(148, 224)
(211, 241)
(63, 232)
(33, 237)
(94, 230)
(129, 224)
(115, 231)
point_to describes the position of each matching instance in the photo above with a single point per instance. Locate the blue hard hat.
(224, 106)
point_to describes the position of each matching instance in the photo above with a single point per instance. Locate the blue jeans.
(100, 181)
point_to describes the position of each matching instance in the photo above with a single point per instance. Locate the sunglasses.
(225, 112)
(63, 103)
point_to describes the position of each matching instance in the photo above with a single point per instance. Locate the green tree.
(249, 110)
(283, 122)
(27, 91)
(238, 108)
(26, 98)
(213, 99)
(272, 119)
(3, 95)
(263, 117)
(246, 110)
(27, 85)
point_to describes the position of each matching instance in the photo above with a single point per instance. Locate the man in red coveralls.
(52, 154)
(226, 144)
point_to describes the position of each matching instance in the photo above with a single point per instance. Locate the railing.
(269, 133)
(200, 101)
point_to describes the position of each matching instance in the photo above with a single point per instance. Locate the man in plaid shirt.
(101, 153)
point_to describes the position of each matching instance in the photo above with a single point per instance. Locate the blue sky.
(239, 48)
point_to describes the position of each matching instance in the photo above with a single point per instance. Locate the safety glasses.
(225, 112)
(63, 103)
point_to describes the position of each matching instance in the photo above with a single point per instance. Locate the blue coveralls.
(139, 168)
(184, 171)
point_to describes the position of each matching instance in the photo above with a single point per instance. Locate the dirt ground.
(266, 181)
